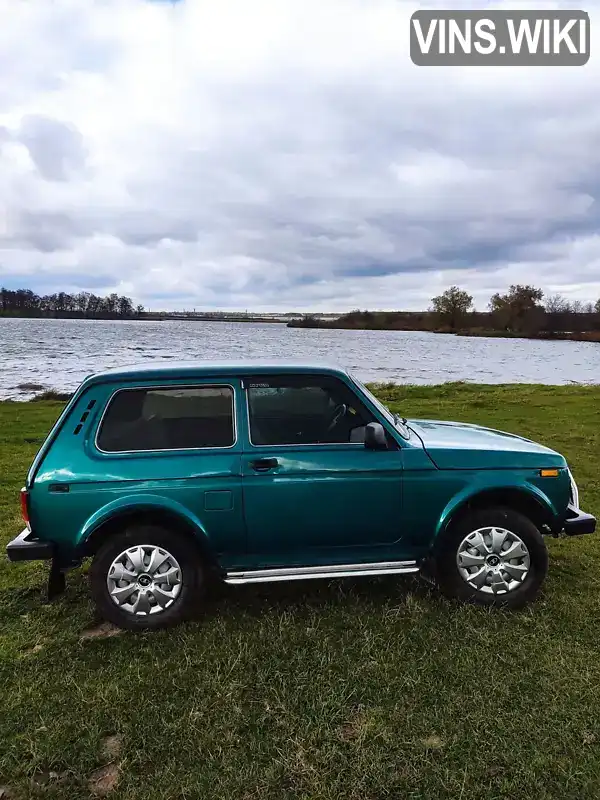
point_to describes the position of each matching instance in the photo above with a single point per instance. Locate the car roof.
(171, 370)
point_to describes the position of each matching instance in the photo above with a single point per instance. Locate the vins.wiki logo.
(497, 38)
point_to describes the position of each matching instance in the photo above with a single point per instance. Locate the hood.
(458, 445)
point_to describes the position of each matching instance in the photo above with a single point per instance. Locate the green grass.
(361, 690)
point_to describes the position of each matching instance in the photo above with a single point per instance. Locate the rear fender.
(130, 505)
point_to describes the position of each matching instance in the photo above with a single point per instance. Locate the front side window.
(305, 410)
(168, 419)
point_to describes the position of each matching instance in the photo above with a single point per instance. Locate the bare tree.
(557, 304)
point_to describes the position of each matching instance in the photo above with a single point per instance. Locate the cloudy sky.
(285, 154)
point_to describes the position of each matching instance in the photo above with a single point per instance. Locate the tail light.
(25, 505)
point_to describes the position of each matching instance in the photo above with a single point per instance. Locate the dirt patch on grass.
(103, 630)
(111, 747)
(433, 742)
(357, 726)
(104, 780)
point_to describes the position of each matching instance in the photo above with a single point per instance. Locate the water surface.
(58, 354)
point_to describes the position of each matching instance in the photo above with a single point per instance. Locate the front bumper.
(578, 522)
(25, 547)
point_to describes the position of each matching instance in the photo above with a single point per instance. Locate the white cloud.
(284, 154)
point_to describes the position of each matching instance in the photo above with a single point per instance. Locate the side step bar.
(337, 571)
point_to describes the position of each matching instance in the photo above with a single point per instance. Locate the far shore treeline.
(521, 311)
(25, 303)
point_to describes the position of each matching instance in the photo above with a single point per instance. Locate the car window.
(168, 419)
(304, 410)
(398, 423)
(291, 399)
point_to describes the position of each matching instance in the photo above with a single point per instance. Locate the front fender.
(147, 502)
(472, 492)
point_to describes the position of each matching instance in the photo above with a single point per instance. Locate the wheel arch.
(529, 502)
(118, 515)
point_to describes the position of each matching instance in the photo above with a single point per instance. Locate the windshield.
(392, 418)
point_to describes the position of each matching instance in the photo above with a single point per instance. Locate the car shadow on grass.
(260, 599)
(221, 600)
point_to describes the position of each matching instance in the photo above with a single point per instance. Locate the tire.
(138, 555)
(471, 565)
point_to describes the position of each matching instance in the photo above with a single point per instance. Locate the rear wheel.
(492, 557)
(146, 578)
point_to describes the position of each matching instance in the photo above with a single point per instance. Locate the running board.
(337, 571)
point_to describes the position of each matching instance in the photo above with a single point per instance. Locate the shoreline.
(57, 396)
(147, 318)
(313, 323)
(559, 336)
(476, 333)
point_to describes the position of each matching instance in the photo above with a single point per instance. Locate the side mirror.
(375, 438)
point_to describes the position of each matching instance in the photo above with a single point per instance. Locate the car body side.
(79, 493)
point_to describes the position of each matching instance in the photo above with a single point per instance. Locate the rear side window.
(168, 419)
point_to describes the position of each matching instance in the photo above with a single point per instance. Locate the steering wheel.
(338, 412)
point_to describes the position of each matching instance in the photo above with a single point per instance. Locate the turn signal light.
(549, 473)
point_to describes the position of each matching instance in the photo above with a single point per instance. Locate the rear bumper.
(25, 547)
(578, 522)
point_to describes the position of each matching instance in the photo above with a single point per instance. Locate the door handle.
(264, 464)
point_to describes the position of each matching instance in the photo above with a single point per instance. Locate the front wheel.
(146, 578)
(492, 557)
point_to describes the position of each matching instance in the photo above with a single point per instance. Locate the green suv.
(166, 475)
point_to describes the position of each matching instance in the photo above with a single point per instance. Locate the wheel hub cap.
(493, 560)
(144, 579)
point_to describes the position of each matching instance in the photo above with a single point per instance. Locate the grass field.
(361, 690)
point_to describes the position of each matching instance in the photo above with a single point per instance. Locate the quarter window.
(168, 419)
(305, 410)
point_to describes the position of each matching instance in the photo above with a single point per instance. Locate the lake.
(58, 354)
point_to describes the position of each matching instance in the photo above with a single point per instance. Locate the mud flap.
(56, 581)
(428, 570)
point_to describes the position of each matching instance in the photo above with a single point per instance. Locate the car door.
(311, 490)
